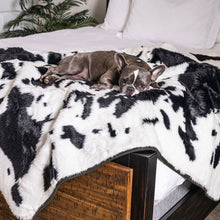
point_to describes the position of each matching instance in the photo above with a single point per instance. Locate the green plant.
(47, 16)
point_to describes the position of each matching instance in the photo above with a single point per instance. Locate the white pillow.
(117, 14)
(189, 23)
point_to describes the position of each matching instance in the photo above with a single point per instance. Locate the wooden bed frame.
(195, 205)
(123, 190)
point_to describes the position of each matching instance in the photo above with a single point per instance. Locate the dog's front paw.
(42, 78)
(50, 79)
(97, 86)
(47, 80)
(162, 89)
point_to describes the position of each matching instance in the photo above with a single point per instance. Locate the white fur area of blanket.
(66, 129)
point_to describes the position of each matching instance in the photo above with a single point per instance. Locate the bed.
(174, 196)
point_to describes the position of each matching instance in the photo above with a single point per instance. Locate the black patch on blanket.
(150, 121)
(127, 130)
(125, 103)
(49, 174)
(170, 88)
(166, 119)
(9, 71)
(177, 101)
(17, 123)
(26, 81)
(108, 98)
(2, 86)
(16, 195)
(9, 171)
(69, 84)
(88, 83)
(42, 69)
(167, 57)
(216, 157)
(85, 98)
(161, 83)
(39, 98)
(138, 55)
(1, 100)
(57, 83)
(150, 95)
(187, 143)
(202, 57)
(96, 131)
(75, 137)
(18, 53)
(214, 132)
(202, 82)
(52, 146)
(54, 58)
(111, 131)
(212, 159)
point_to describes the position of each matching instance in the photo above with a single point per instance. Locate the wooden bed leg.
(144, 174)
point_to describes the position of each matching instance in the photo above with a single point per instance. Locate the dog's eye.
(123, 81)
(142, 87)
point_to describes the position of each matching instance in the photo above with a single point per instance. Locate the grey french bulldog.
(107, 68)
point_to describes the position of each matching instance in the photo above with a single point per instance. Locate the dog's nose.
(130, 90)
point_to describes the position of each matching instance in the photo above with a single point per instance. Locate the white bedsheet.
(87, 38)
(90, 39)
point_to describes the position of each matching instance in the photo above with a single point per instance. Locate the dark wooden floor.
(215, 214)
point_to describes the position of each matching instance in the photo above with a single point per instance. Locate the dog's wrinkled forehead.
(134, 74)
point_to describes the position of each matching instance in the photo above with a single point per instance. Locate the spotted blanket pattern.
(51, 133)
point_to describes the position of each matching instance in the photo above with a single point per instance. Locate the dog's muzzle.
(130, 91)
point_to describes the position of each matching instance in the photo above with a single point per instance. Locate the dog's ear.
(157, 71)
(120, 61)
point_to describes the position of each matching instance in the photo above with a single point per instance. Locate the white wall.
(97, 8)
(9, 9)
(9, 5)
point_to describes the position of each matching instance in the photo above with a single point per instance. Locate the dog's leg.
(101, 86)
(52, 70)
(106, 80)
(52, 78)
(60, 72)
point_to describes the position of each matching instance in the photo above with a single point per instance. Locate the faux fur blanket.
(51, 133)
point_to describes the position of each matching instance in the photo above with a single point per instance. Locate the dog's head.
(133, 78)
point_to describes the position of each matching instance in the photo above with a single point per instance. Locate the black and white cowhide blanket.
(51, 133)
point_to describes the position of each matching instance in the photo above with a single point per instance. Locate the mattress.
(164, 205)
(90, 39)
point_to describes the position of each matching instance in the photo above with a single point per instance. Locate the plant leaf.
(46, 16)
